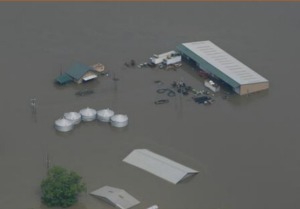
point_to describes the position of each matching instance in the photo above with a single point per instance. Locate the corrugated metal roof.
(63, 79)
(159, 165)
(115, 196)
(224, 62)
(78, 70)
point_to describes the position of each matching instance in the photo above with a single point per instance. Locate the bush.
(61, 187)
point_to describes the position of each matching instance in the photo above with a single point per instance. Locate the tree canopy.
(61, 187)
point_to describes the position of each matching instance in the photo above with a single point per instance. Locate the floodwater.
(246, 148)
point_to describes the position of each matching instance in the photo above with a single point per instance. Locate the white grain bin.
(119, 120)
(88, 114)
(63, 125)
(153, 207)
(74, 117)
(105, 115)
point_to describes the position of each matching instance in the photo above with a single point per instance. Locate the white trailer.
(172, 60)
(212, 85)
(157, 59)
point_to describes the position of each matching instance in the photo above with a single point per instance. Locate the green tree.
(61, 188)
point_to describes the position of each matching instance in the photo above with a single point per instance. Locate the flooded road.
(246, 148)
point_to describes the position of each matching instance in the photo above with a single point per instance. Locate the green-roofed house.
(77, 73)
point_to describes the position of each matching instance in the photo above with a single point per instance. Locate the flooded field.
(246, 148)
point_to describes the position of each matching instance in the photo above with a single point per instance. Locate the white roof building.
(214, 60)
(116, 197)
(159, 165)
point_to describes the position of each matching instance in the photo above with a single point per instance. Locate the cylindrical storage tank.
(88, 114)
(105, 115)
(153, 207)
(119, 120)
(63, 125)
(74, 117)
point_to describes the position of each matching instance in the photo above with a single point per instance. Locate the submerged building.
(221, 65)
(159, 165)
(77, 73)
(116, 197)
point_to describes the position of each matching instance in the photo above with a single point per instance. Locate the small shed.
(116, 197)
(64, 79)
(77, 73)
(159, 165)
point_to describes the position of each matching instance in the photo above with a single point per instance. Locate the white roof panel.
(226, 63)
(90, 77)
(116, 197)
(159, 165)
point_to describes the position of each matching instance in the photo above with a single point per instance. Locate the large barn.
(222, 65)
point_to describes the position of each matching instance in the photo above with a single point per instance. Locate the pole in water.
(33, 105)
(47, 162)
(61, 70)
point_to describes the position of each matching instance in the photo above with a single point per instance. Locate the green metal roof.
(207, 66)
(78, 70)
(63, 79)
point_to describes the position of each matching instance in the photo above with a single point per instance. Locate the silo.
(105, 115)
(74, 117)
(119, 120)
(88, 114)
(63, 125)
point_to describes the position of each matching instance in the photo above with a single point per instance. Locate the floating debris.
(84, 92)
(182, 87)
(130, 64)
(203, 100)
(169, 92)
(143, 65)
(161, 101)
(159, 82)
(104, 73)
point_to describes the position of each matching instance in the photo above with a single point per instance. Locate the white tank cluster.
(88, 114)
(105, 115)
(63, 125)
(119, 120)
(70, 119)
(74, 117)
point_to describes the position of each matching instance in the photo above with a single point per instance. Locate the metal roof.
(63, 79)
(226, 64)
(115, 196)
(159, 165)
(78, 70)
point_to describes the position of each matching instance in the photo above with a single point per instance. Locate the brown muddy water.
(246, 148)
